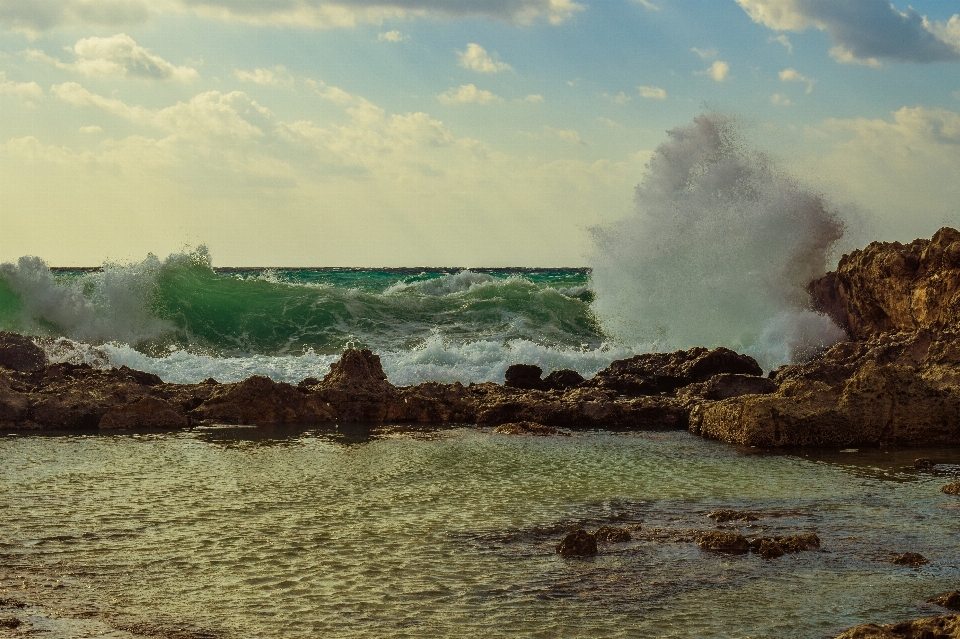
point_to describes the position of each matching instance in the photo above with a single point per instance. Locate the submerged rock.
(726, 542)
(951, 489)
(946, 627)
(612, 534)
(526, 428)
(913, 559)
(9, 622)
(577, 543)
(950, 601)
(724, 515)
(922, 463)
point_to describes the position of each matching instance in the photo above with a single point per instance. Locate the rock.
(911, 559)
(257, 400)
(946, 627)
(922, 463)
(19, 353)
(147, 412)
(770, 549)
(525, 376)
(889, 287)
(526, 428)
(612, 534)
(727, 385)
(950, 601)
(11, 603)
(951, 489)
(725, 542)
(773, 547)
(655, 373)
(578, 543)
(724, 515)
(563, 379)
(9, 622)
(358, 372)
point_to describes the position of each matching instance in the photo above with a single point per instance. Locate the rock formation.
(946, 627)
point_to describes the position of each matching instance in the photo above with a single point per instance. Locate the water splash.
(718, 251)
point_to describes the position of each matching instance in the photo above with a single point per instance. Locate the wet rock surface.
(9, 622)
(725, 515)
(612, 534)
(951, 489)
(20, 353)
(950, 601)
(946, 627)
(577, 543)
(726, 542)
(526, 428)
(913, 559)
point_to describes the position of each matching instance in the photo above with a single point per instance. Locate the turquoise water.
(303, 532)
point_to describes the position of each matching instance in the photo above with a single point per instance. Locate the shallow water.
(304, 532)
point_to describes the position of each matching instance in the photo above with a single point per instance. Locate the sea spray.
(718, 251)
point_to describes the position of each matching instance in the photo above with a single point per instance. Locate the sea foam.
(718, 251)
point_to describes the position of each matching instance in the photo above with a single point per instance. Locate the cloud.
(29, 93)
(863, 31)
(207, 115)
(648, 5)
(117, 56)
(782, 39)
(468, 93)
(792, 75)
(273, 77)
(392, 36)
(533, 97)
(718, 71)
(567, 135)
(620, 98)
(780, 100)
(608, 122)
(91, 129)
(36, 16)
(652, 93)
(477, 59)
(706, 54)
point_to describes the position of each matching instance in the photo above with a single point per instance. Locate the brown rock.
(525, 376)
(563, 379)
(798, 543)
(911, 559)
(147, 412)
(946, 627)
(255, 400)
(19, 353)
(922, 463)
(951, 489)
(9, 622)
(727, 542)
(578, 543)
(612, 534)
(950, 601)
(525, 428)
(770, 549)
(357, 371)
(724, 515)
(889, 287)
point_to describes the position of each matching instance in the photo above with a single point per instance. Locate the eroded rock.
(577, 543)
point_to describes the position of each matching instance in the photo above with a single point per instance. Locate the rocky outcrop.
(889, 287)
(950, 601)
(577, 543)
(528, 376)
(896, 389)
(946, 627)
(912, 559)
(19, 353)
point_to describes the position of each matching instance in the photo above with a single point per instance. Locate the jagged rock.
(889, 287)
(526, 428)
(612, 534)
(260, 400)
(951, 489)
(727, 542)
(922, 463)
(357, 371)
(577, 543)
(524, 376)
(563, 379)
(946, 627)
(724, 515)
(19, 353)
(147, 412)
(727, 385)
(914, 559)
(769, 548)
(950, 601)
(656, 373)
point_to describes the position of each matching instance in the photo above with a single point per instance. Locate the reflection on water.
(367, 531)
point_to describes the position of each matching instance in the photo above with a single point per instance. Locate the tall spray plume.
(718, 252)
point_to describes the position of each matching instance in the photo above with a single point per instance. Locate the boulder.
(950, 601)
(913, 559)
(563, 379)
(725, 515)
(20, 353)
(889, 287)
(951, 489)
(922, 463)
(656, 373)
(725, 542)
(612, 534)
(524, 376)
(946, 627)
(147, 412)
(577, 543)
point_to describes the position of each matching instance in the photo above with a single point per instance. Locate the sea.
(450, 530)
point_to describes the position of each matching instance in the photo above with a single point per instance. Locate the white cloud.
(477, 59)
(117, 55)
(608, 122)
(863, 31)
(718, 71)
(29, 93)
(780, 100)
(706, 54)
(468, 93)
(92, 129)
(533, 97)
(792, 75)
(652, 93)
(620, 98)
(392, 36)
(276, 76)
(782, 39)
(566, 135)
(33, 17)
(648, 5)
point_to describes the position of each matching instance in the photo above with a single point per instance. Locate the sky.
(447, 132)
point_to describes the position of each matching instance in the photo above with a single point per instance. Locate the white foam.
(448, 284)
(718, 251)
